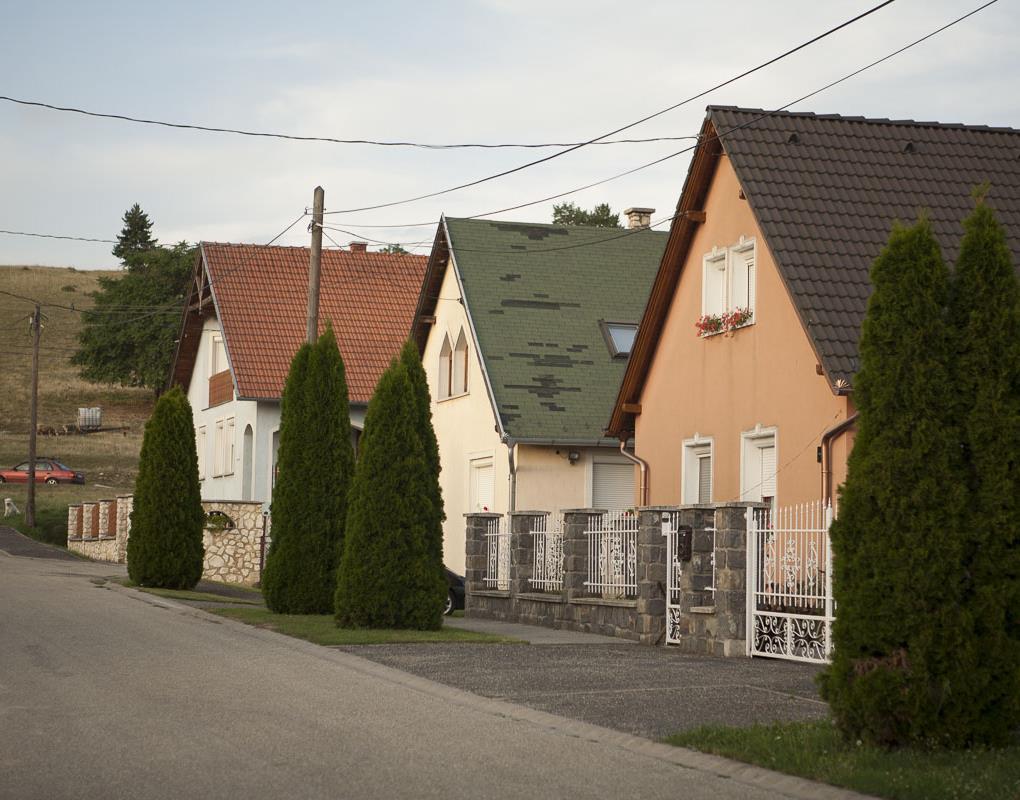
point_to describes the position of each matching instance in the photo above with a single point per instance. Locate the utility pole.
(33, 413)
(314, 264)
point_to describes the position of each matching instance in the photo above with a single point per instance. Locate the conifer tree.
(316, 466)
(901, 656)
(416, 372)
(135, 237)
(985, 320)
(389, 576)
(165, 546)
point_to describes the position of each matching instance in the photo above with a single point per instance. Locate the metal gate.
(789, 582)
(674, 571)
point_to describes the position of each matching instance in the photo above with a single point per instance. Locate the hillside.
(108, 459)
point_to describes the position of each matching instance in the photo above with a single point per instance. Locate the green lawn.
(815, 750)
(321, 629)
(189, 594)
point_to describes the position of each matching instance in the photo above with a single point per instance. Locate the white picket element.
(497, 562)
(612, 554)
(547, 574)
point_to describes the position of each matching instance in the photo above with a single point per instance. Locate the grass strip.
(322, 629)
(815, 750)
(190, 594)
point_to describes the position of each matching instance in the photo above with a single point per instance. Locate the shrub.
(316, 464)
(165, 547)
(389, 575)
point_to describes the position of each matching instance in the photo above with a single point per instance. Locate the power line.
(629, 125)
(330, 139)
(55, 236)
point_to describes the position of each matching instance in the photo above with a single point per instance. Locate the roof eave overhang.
(194, 305)
(428, 298)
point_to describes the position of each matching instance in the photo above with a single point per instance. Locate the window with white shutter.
(697, 471)
(612, 486)
(705, 478)
(759, 468)
(482, 489)
(200, 444)
(714, 286)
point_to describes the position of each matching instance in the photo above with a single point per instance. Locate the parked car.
(454, 592)
(47, 470)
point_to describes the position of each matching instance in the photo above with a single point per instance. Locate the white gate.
(789, 583)
(674, 570)
(497, 554)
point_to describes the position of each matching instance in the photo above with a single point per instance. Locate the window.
(697, 471)
(223, 447)
(612, 486)
(460, 365)
(619, 337)
(200, 441)
(482, 489)
(759, 467)
(728, 279)
(218, 355)
(445, 369)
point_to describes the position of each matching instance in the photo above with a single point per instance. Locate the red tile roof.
(262, 298)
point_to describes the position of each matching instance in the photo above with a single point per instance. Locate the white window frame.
(716, 260)
(445, 379)
(600, 459)
(750, 483)
(201, 443)
(696, 448)
(460, 366)
(477, 462)
(216, 342)
(739, 265)
(223, 447)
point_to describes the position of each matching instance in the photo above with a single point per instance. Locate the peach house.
(740, 381)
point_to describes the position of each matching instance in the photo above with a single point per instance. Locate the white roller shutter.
(767, 456)
(483, 489)
(612, 486)
(705, 479)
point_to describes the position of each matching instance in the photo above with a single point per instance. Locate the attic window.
(619, 337)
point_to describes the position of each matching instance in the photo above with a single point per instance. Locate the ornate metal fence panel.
(612, 554)
(497, 550)
(674, 572)
(547, 575)
(789, 571)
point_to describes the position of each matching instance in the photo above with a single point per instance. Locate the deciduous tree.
(601, 216)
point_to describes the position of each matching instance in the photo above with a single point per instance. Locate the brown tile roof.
(825, 190)
(261, 295)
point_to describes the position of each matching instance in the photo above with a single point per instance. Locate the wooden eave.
(689, 214)
(199, 306)
(425, 313)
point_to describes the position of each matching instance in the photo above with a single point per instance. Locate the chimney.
(639, 217)
(359, 247)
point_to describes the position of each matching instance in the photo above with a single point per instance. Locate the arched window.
(460, 365)
(445, 369)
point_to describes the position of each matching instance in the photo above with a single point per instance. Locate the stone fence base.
(233, 542)
(707, 610)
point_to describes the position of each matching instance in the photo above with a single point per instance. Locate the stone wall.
(712, 613)
(100, 530)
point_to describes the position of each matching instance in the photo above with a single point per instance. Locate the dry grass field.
(109, 460)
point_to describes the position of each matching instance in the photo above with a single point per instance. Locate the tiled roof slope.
(536, 294)
(826, 189)
(262, 298)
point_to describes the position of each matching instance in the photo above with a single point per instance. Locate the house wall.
(547, 480)
(763, 374)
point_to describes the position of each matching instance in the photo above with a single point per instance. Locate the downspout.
(827, 439)
(643, 465)
(510, 447)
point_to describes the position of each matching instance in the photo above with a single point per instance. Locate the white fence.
(547, 575)
(612, 554)
(497, 562)
(789, 594)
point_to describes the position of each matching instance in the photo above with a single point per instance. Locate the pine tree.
(902, 654)
(416, 372)
(316, 463)
(389, 576)
(135, 237)
(165, 548)
(985, 320)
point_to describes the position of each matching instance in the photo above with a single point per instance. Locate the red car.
(47, 470)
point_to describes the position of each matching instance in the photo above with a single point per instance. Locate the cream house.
(244, 320)
(524, 331)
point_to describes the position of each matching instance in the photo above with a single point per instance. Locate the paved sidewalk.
(15, 543)
(532, 634)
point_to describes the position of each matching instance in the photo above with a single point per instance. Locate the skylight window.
(619, 337)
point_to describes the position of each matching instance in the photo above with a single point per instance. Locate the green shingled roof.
(536, 294)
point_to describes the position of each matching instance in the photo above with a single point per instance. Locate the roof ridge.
(556, 225)
(870, 120)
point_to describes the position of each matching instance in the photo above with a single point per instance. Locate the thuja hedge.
(316, 464)
(165, 547)
(391, 573)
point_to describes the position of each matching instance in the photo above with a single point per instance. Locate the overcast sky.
(484, 71)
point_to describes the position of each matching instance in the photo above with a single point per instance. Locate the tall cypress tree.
(902, 658)
(165, 547)
(985, 320)
(416, 372)
(316, 463)
(389, 576)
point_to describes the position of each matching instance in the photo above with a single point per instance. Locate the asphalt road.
(110, 693)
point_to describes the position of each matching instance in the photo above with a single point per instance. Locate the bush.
(316, 463)
(165, 547)
(390, 576)
(903, 654)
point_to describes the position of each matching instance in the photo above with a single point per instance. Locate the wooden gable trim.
(198, 307)
(689, 214)
(428, 299)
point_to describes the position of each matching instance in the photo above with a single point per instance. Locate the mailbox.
(684, 540)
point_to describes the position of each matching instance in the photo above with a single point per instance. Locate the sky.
(440, 72)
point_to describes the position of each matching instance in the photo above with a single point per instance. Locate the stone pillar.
(575, 550)
(477, 525)
(522, 548)
(87, 510)
(74, 521)
(125, 503)
(731, 577)
(104, 519)
(651, 573)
